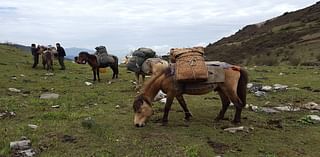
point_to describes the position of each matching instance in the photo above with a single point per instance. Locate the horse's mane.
(84, 53)
(149, 83)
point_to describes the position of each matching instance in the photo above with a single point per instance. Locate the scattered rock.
(254, 87)
(159, 96)
(311, 106)
(22, 148)
(14, 90)
(287, 108)
(49, 96)
(117, 106)
(109, 82)
(164, 100)
(260, 93)
(13, 78)
(55, 106)
(32, 126)
(7, 114)
(20, 145)
(49, 74)
(266, 88)
(133, 82)
(268, 110)
(88, 83)
(309, 119)
(240, 128)
(25, 153)
(249, 85)
(314, 117)
(280, 87)
(22, 75)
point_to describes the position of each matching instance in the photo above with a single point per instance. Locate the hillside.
(293, 38)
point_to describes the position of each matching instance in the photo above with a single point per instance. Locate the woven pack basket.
(190, 64)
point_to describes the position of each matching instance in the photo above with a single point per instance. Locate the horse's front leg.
(98, 74)
(183, 104)
(94, 74)
(167, 109)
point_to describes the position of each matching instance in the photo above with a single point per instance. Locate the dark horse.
(92, 60)
(233, 89)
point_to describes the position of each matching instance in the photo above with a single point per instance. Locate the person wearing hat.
(61, 54)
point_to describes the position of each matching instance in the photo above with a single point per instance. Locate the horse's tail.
(116, 61)
(242, 86)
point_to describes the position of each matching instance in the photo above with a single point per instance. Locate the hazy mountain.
(291, 37)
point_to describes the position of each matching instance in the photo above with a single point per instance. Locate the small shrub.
(294, 61)
(191, 151)
(267, 60)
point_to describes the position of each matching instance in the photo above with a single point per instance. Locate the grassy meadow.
(64, 131)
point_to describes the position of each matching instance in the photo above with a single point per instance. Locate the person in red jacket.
(61, 54)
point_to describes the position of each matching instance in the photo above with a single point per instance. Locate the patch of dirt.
(218, 147)
(275, 123)
(68, 138)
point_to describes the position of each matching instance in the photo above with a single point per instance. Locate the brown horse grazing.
(233, 89)
(92, 60)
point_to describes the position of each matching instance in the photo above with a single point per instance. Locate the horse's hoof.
(217, 119)
(188, 114)
(164, 124)
(235, 122)
(187, 118)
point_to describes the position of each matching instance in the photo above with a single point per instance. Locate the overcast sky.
(123, 25)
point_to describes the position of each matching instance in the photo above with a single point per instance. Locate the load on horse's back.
(103, 58)
(143, 62)
(138, 57)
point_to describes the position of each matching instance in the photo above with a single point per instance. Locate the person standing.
(35, 54)
(61, 54)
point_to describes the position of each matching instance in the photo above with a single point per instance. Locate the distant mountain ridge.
(291, 36)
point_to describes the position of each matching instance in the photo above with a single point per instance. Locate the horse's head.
(142, 111)
(82, 58)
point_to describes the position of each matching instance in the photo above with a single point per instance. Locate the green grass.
(112, 132)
